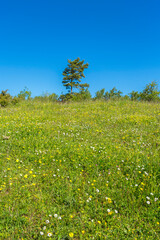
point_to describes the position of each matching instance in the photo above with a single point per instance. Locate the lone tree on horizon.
(73, 74)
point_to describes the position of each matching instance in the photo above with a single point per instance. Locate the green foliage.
(25, 94)
(83, 95)
(134, 96)
(73, 74)
(113, 94)
(100, 94)
(46, 97)
(126, 97)
(5, 98)
(150, 93)
(15, 100)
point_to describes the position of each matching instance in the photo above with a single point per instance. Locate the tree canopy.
(73, 74)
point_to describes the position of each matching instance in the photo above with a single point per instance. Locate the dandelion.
(71, 234)
(109, 200)
(110, 213)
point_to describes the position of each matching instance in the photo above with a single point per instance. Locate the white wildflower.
(49, 234)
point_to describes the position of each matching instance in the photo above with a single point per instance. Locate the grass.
(80, 171)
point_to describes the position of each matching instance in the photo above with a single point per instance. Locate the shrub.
(134, 96)
(5, 98)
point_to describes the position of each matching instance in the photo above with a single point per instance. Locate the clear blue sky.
(120, 39)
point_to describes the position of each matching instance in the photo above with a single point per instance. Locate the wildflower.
(116, 211)
(109, 200)
(156, 199)
(41, 233)
(49, 234)
(148, 202)
(71, 234)
(152, 194)
(59, 218)
(110, 213)
(55, 215)
(97, 190)
(108, 210)
(148, 198)
(44, 228)
(47, 221)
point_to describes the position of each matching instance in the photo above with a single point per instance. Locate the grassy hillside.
(80, 171)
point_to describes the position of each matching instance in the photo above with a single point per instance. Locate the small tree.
(24, 94)
(134, 96)
(100, 94)
(150, 93)
(113, 94)
(73, 74)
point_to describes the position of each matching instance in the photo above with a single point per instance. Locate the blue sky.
(119, 39)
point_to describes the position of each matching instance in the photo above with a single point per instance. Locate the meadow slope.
(80, 171)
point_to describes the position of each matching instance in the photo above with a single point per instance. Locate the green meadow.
(86, 170)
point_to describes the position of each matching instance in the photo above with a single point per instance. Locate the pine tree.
(73, 74)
